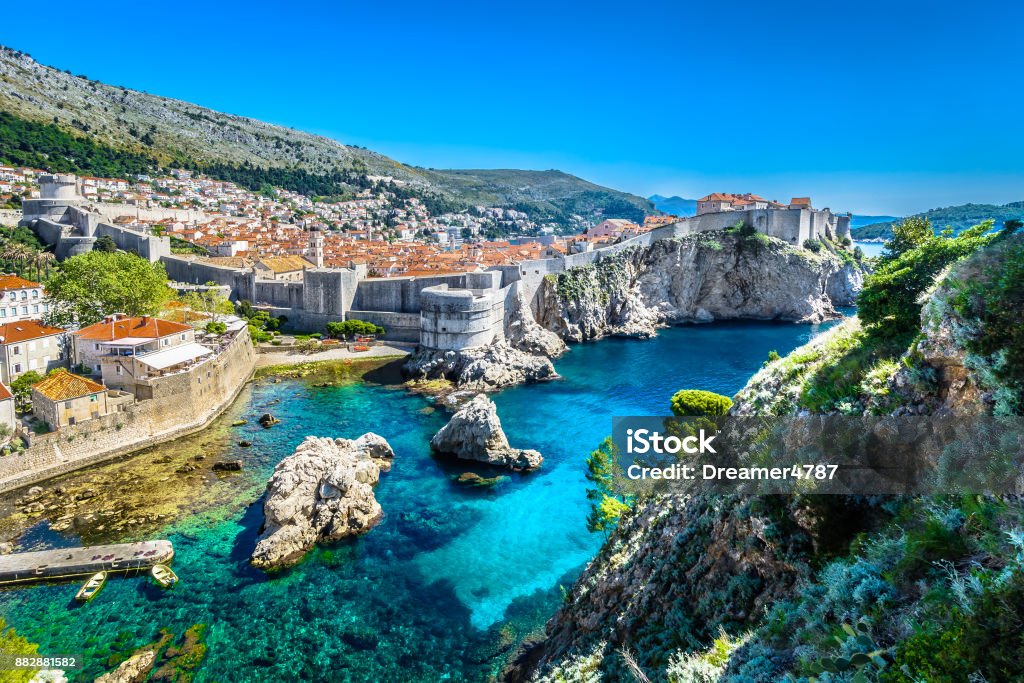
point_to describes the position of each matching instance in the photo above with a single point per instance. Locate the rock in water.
(132, 670)
(475, 433)
(267, 421)
(321, 493)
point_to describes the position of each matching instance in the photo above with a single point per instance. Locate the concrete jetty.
(71, 563)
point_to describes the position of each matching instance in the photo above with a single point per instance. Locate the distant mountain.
(44, 106)
(858, 221)
(957, 217)
(677, 206)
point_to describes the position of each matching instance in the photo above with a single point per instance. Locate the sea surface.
(870, 248)
(452, 577)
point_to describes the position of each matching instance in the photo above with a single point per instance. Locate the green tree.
(105, 243)
(21, 387)
(209, 301)
(606, 505)
(12, 644)
(87, 287)
(890, 299)
(697, 403)
(908, 234)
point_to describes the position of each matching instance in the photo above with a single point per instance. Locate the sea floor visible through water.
(442, 589)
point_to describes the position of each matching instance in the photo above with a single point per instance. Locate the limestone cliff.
(321, 493)
(697, 278)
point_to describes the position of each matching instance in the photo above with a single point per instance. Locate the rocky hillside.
(172, 130)
(697, 278)
(825, 588)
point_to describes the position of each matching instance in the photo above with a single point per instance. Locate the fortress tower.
(61, 186)
(316, 246)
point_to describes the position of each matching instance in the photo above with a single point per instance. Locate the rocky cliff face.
(698, 278)
(475, 433)
(321, 493)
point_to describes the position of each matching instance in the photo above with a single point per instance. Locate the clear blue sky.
(875, 107)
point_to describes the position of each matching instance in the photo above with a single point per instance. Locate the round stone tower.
(58, 186)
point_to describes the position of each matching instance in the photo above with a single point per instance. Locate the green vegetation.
(813, 245)
(697, 403)
(21, 387)
(11, 644)
(890, 300)
(87, 287)
(262, 326)
(22, 253)
(958, 218)
(105, 243)
(350, 328)
(210, 302)
(606, 505)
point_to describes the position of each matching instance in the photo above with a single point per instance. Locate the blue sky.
(875, 107)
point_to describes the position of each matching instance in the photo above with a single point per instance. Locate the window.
(35, 308)
(35, 293)
(95, 347)
(167, 342)
(92, 398)
(17, 367)
(67, 405)
(119, 369)
(17, 350)
(24, 295)
(182, 337)
(24, 310)
(3, 312)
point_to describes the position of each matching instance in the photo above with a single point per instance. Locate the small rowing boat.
(164, 575)
(91, 587)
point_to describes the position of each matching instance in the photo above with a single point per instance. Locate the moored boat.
(91, 587)
(164, 575)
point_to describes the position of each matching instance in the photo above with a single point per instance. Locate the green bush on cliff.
(891, 298)
(697, 403)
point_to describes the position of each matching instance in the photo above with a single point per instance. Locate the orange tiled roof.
(110, 330)
(14, 282)
(5, 393)
(12, 333)
(285, 264)
(63, 386)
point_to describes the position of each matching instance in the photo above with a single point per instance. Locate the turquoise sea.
(450, 579)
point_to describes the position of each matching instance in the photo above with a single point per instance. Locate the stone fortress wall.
(444, 312)
(169, 407)
(63, 218)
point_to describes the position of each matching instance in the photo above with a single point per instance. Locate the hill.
(957, 217)
(859, 221)
(47, 105)
(675, 205)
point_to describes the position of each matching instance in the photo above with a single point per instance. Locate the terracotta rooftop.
(64, 386)
(5, 393)
(285, 264)
(14, 282)
(12, 333)
(118, 328)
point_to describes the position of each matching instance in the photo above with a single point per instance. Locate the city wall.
(180, 404)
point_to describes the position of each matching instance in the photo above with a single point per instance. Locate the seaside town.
(229, 225)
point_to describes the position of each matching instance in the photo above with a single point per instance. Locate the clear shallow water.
(450, 579)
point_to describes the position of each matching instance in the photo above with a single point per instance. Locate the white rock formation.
(321, 493)
(482, 369)
(475, 433)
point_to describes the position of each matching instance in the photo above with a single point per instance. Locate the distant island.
(957, 217)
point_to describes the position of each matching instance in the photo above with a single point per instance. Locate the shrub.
(697, 403)
(216, 328)
(891, 296)
(813, 245)
(348, 328)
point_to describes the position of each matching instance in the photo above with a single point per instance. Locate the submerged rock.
(321, 493)
(474, 479)
(132, 670)
(475, 433)
(228, 466)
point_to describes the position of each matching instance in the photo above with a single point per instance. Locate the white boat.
(91, 587)
(164, 575)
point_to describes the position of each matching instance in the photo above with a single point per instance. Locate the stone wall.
(182, 404)
(179, 269)
(461, 319)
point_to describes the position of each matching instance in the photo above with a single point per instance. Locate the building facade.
(30, 345)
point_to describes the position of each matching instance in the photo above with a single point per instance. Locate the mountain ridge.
(171, 130)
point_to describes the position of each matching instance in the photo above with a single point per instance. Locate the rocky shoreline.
(475, 433)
